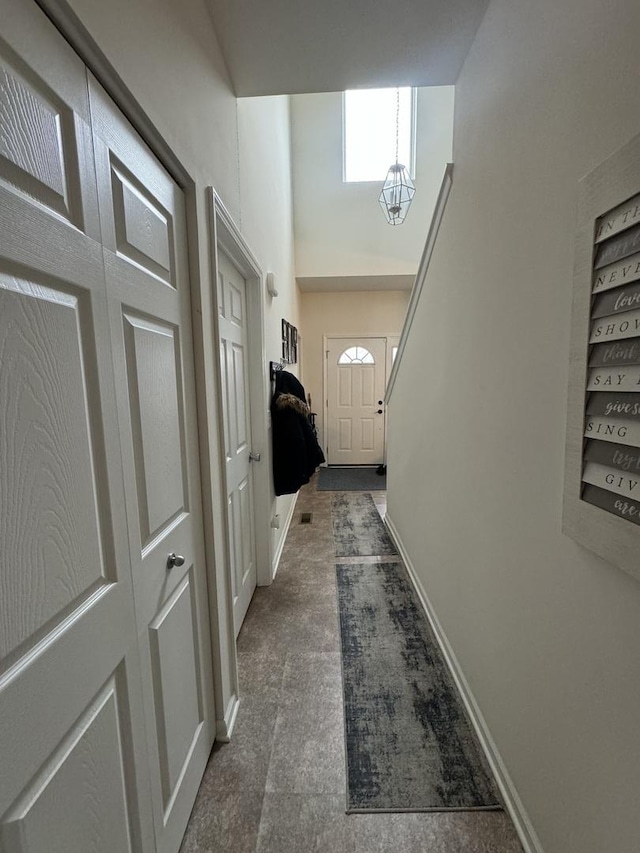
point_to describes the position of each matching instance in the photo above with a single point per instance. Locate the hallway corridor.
(279, 786)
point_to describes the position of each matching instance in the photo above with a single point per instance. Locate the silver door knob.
(254, 457)
(174, 560)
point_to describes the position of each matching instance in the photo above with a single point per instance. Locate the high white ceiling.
(276, 47)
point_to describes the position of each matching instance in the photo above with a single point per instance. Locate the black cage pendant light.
(398, 189)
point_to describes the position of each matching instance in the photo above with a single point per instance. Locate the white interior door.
(356, 375)
(74, 774)
(234, 361)
(142, 212)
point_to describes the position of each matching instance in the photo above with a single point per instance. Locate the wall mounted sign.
(621, 378)
(602, 471)
(289, 343)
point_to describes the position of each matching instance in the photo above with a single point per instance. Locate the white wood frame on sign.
(615, 539)
(227, 237)
(225, 675)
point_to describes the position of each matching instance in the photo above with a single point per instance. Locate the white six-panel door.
(72, 747)
(105, 673)
(232, 331)
(356, 376)
(142, 211)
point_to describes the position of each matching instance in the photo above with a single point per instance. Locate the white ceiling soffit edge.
(333, 283)
(284, 47)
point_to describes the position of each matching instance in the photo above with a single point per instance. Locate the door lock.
(174, 559)
(254, 457)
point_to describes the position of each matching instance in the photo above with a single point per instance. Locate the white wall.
(340, 228)
(168, 56)
(267, 216)
(548, 635)
(377, 313)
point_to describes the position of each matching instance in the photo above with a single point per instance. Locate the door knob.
(254, 457)
(379, 411)
(175, 560)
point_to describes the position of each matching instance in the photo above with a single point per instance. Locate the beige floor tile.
(304, 824)
(440, 832)
(223, 821)
(243, 763)
(307, 756)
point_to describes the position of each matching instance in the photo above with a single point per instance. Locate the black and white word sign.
(618, 219)
(620, 482)
(616, 301)
(611, 452)
(613, 275)
(625, 244)
(614, 355)
(614, 456)
(615, 405)
(618, 378)
(612, 429)
(611, 502)
(616, 327)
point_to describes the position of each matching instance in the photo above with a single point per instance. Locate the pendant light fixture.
(398, 189)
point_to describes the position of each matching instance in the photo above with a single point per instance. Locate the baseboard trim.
(527, 834)
(224, 727)
(283, 538)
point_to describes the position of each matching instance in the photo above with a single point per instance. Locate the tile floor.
(279, 786)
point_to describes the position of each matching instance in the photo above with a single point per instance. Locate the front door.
(232, 330)
(142, 213)
(356, 376)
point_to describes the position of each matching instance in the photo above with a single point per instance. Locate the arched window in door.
(356, 355)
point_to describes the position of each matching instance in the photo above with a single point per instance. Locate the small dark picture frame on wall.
(289, 343)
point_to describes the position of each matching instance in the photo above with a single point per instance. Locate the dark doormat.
(350, 480)
(409, 744)
(358, 530)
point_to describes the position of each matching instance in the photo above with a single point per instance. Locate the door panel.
(143, 230)
(366, 374)
(144, 236)
(152, 357)
(367, 426)
(37, 145)
(232, 331)
(72, 739)
(177, 688)
(345, 434)
(355, 389)
(49, 468)
(84, 778)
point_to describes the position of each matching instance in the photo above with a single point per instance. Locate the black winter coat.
(296, 452)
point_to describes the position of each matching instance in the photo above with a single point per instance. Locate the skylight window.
(370, 132)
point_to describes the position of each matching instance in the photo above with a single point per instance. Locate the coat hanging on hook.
(296, 452)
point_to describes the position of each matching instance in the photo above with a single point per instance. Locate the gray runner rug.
(350, 480)
(358, 530)
(409, 744)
